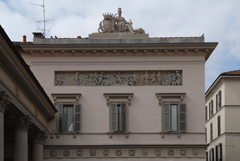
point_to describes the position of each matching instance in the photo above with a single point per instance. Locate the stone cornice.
(157, 48)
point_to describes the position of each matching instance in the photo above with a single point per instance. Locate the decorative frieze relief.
(120, 78)
(125, 153)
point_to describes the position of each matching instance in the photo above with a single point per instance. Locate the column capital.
(39, 137)
(4, 101)
(22, 122)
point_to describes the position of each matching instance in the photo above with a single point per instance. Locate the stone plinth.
(118, 36)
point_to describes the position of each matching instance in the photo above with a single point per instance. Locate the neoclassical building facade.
(121, 95)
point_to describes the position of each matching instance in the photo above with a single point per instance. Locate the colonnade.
(21, 125)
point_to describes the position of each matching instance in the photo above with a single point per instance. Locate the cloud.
(219, 20)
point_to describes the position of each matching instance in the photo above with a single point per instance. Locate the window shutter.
(219, 125)
(123, 117)
(220, 99)
(217, 103)
(205, 113)
(216, 153)
(114, 110)
(60, 117)
(212, 107)
(220, 151)
(77, 117)
(182, 117)
(166, 112)
(212, 154)
(209, 110)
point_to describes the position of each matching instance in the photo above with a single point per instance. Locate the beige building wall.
(229, 113)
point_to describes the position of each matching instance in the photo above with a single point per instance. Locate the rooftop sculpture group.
(115, 24)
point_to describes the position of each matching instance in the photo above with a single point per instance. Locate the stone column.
(4, 101)
(38, 140)
(22, 124)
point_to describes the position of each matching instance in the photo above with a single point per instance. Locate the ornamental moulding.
(119, 78)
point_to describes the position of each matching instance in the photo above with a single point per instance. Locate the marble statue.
(116, 23)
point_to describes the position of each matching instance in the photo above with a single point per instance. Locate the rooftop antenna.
(43, 6)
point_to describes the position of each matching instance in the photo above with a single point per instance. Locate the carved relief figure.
(95, 78)
(105, 80)
(118, 79)
(77, 79)
(86, 81)
(135, 79)
(153, 79)
(178, 78)
(174, 80)
(60, 79)
(159, 78)
(146, 78)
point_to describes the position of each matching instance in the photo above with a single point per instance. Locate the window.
(218, 101)
(219, 152)
(69, 112)
(118, 111)
(205, 134)
(211, 157)
(205, 113)
(118, 117)
(211, 132)
(69, 117)
(174, 117)
(210, 109)
(219, 125)
(206, 156)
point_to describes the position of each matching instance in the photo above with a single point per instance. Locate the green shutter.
(166, 112)
(182, 117)
(123, 117)
(60, 116)
(77, 117)
(114, 121)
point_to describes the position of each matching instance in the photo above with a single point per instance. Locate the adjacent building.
(222, 109)
(25, 109)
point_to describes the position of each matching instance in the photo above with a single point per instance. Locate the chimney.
(24, 38)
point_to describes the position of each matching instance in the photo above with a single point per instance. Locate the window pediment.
(175, 96)
(118, 97)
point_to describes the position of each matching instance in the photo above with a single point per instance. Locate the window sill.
(117, 133)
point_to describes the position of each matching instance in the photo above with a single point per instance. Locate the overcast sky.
(219, 20)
